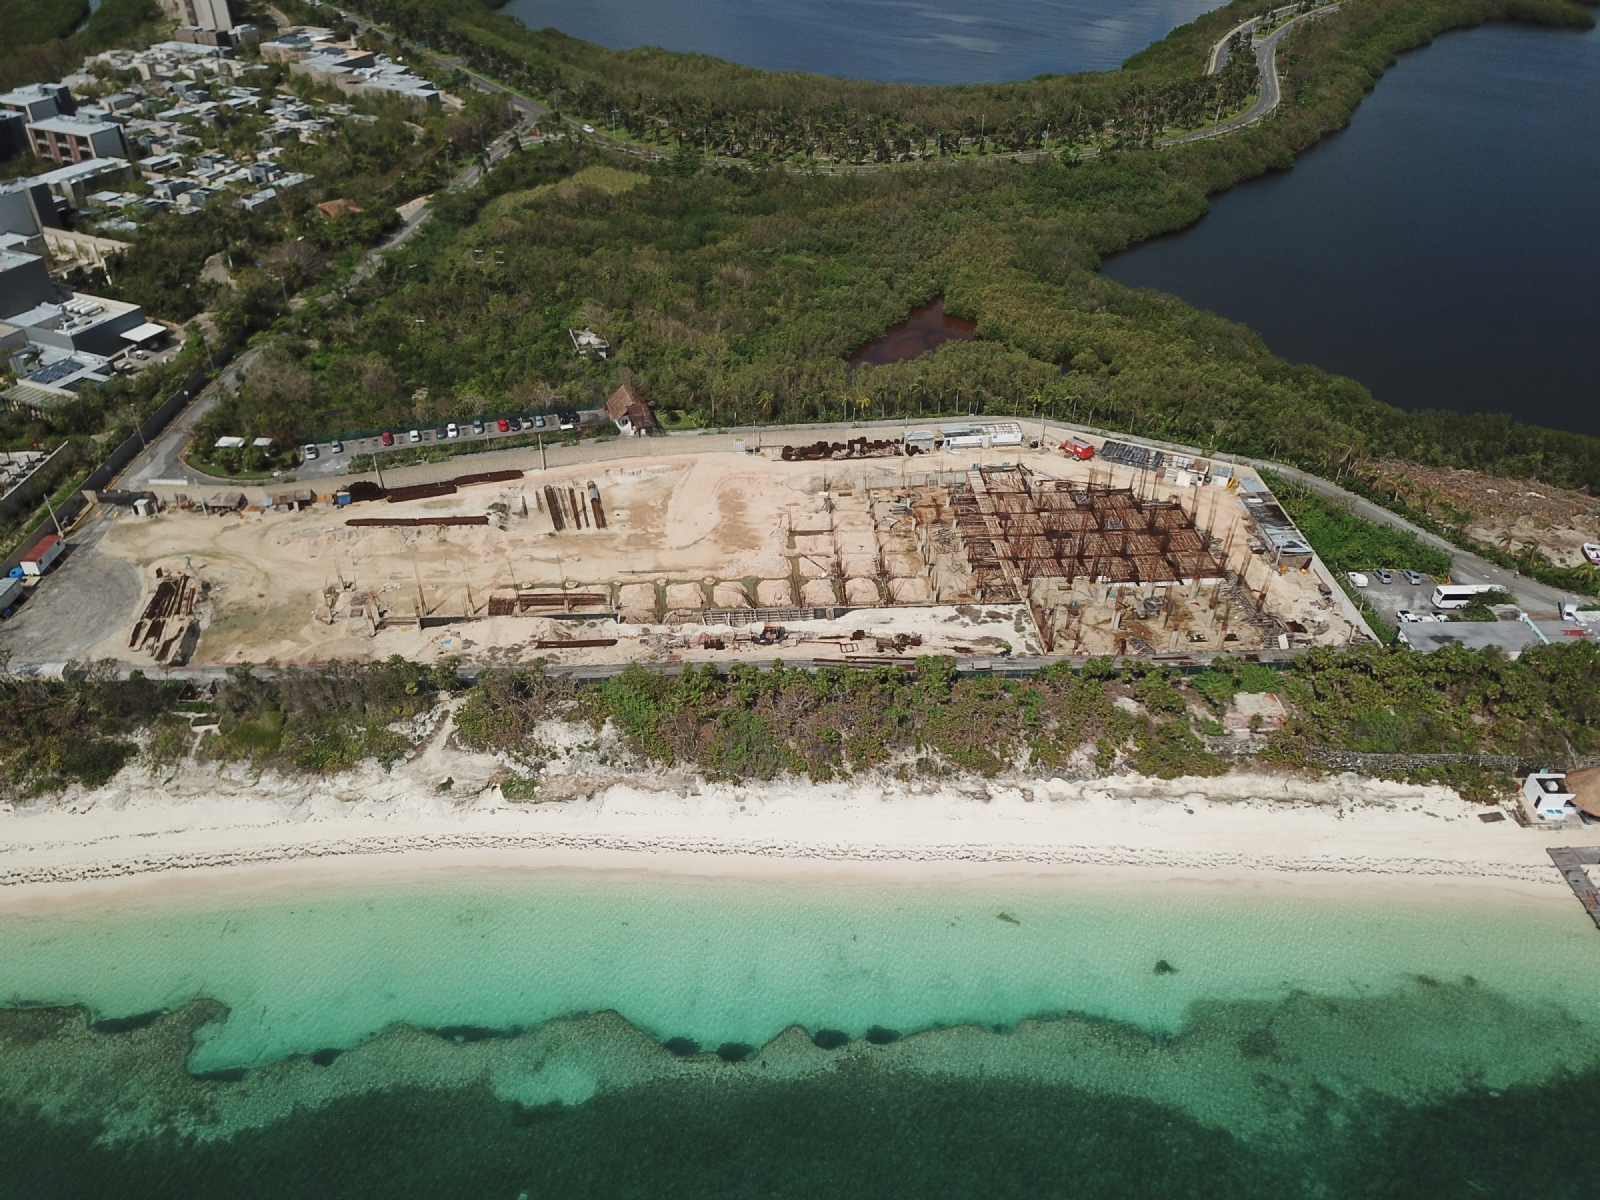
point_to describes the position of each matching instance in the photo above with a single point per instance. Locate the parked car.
(1357, 578)
(1384, 575)
(538, 422)
(1412, 577)
(415, 436)
(569, 420)
(516, 425)
(336, 446)
(1407, 617)
(1591, 551)
(388, 438)
(310, 451)
(477, 426)
(451, 430)
(503, 425)
(439, 434)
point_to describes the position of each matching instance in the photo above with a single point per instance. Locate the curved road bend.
(1219, 52)
(1266, 63)
(160, 461)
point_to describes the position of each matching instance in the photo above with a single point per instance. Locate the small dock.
(1571, 861)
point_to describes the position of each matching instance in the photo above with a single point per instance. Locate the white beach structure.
(1547, 796)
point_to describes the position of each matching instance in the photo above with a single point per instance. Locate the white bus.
(1459, 595)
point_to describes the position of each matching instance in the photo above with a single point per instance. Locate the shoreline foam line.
(999, 854)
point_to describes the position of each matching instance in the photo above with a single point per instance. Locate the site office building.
(43, 556)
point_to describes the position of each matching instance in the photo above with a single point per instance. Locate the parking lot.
(134, 361)
(1390, 599)
(331, 461)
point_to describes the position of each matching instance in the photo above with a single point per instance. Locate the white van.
(1458, 595)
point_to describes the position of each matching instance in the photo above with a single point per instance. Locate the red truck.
(1078, 448)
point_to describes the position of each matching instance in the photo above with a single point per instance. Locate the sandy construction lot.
(646, 550)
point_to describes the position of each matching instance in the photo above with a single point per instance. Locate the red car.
(388, 439)
(1078, 448)
(503, 425)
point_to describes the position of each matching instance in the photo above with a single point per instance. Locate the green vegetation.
(1482, 606)
(1545, 703)
(1346, 542)
(48, 49)
(55, 733)
(29, 22)
(1220, 682)
(733, 292)
(267, 256)
(240, 269)
(665, 100)
(1450, 524)
(753, 724)
(325, 719)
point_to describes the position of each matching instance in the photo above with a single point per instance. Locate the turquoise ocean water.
(627, 1034)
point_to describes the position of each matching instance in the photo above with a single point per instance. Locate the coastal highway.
(531, 111)
(1266, 63)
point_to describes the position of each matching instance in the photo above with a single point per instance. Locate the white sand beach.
(192, 826)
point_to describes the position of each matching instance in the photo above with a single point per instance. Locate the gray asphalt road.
(160, 461)
(1267, 64)
(1538, 599)
(498, 149)
(1219, 52)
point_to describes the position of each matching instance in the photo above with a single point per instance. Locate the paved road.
(1540, 600)
(160, 461)
(1267, 64)
(409, 225)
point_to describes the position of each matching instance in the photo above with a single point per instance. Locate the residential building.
(1546, 795)
(38, 101)
(76, 181)
(13, 133)
(27, 207)
(81, 322)
(314, 53)
(256, 201)
(68, 140)
(201, 14)
(25, 284)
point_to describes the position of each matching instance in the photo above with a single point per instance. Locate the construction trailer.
(43, 556)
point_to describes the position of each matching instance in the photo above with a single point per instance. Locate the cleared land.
(706, 555)
(1510, 513)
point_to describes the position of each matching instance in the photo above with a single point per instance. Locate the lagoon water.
(915, 41)
(454, 1038)
(1443, 250)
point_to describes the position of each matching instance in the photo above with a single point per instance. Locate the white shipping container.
(40, 558)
